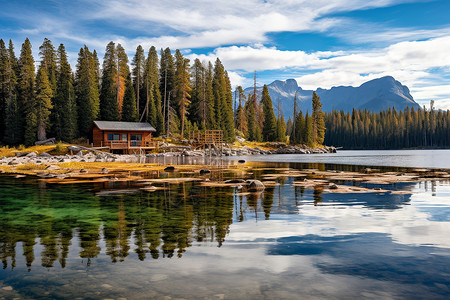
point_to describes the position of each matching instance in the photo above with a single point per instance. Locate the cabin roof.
(124, 126)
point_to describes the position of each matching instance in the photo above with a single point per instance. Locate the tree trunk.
(41, 131)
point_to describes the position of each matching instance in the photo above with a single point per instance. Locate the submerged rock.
(333, 186)
(169, 169)
(255, 186)
(237, 181)
(205, 171)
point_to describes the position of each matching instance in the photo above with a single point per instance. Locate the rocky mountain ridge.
(374, 95)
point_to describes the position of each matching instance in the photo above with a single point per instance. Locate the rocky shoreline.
(81, 155)
(280, 149)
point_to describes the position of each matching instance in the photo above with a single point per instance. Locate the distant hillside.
(375, 95)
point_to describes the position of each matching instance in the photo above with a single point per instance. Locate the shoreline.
(118, 178)
(102, 167)
(82, 155)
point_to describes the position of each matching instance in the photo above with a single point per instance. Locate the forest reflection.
(47, 221)
(161, 224)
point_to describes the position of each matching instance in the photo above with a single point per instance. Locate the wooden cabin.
(122, 137)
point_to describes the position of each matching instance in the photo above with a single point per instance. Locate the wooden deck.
(206, 138)
(130, 146)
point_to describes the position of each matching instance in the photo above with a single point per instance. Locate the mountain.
(375, 95)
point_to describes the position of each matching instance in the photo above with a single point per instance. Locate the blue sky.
(320, 43)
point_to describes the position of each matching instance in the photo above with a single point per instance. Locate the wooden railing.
(207, 137)
(130, 144)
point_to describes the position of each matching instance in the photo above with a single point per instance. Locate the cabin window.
(136, 137)
(124, 137)
(113, 137)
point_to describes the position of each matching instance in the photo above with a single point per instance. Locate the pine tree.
(250, 108)
(86, 90)
(167, 84)
(129, 113)
(210, 112)
(48, 59)
(109, 106)
(197, 109)
(300, 134)
(223, 101)
(138, 71)
(182, 87)
(26, 94)
(152, 109)
(269, 131)
(31, 128)
(317, 116)
(12, 58)
(64, 113)
(122, 73)
(293, 133)
(152, 106)
(4, 79)
(96, 68)
(43, 103)
(241, 118)
(289, 128)
(281, 124)
(229, 134)
(308, 136)
(9, 86)
(12, 123)
(281, 129)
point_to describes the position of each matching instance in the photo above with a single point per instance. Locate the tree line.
(164, 90)
(307, 129)
(256, 120)
(361, 129)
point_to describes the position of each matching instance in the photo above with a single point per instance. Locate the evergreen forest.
(174, 95)
(177, 97)
(360, 129)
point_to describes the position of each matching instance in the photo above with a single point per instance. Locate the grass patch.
(30, 166)
(58, 149)
(6, 169)
(259, 145)
(7, 152)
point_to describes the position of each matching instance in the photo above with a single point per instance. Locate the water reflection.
(190, 241)
(159, 224)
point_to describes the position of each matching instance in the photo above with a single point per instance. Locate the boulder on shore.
(255, 186)
(53, 167)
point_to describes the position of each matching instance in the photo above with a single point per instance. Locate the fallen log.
(50, 141)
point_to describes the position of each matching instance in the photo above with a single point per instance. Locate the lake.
(193, 242)
(392, 158)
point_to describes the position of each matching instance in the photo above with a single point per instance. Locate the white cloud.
(412, 63)
(199, 23)
(436, 91)
(239, 30)
(442, 103)
(237, 79)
